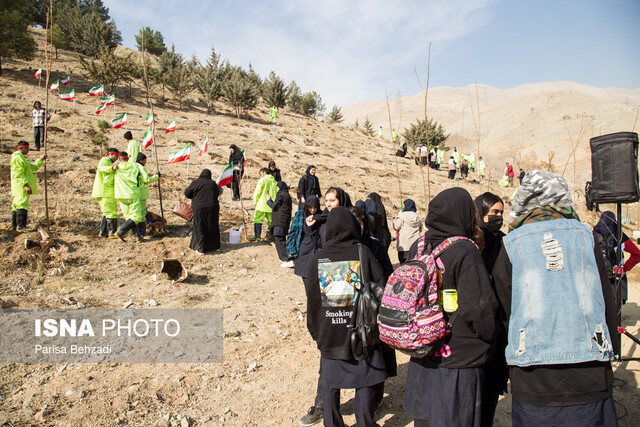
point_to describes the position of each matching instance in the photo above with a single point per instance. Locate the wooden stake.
(48, 60)
(392, 143)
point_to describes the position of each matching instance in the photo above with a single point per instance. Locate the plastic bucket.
(234, 235)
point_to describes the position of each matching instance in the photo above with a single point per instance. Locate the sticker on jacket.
(338, 282)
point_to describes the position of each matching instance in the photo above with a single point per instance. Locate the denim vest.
(557, 305)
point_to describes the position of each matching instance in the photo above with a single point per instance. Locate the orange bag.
(183, 210)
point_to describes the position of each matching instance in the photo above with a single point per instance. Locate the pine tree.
(335, 115)
(415, 135)
(311, 104)
(110, 70)
(180, 78)
(208, 80)
(87, 28)
(240, 91)
(58, 39)
(274, 92)
(356, 125)
(153, 41)
(294, 97)
(367, 127)
(15, 40)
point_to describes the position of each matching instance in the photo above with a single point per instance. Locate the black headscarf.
(203, 191)
(311, 201)
(379, 206)
(343, 197)
(360, 205)
(314, 184)
(205, 174)
(409, 206)
(608, 226)
(370, 208)
(451, 213)
(282, 185)
(236, 156)
(343, 229)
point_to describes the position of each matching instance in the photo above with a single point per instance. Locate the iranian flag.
(149, 118)
(244, 159)
(179, 155)
(101, 108)
(119, 120)
(55, 86)
(95, 91)
(38, 74)
(110, 100)
(67, 96)
(226, 177)
(205, 146)
(66, 81)
(147, 138)
(171, 127)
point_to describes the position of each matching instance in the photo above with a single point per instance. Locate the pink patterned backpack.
(411, 318)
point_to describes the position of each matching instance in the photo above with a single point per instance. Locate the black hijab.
(203, 191)
(343, 197)
(343, 229)
(205, 174)
(312, 180)
(311, 201)
(608, 226)
(409, 206)
(379, 206)
(451, 213)
(236, 156)
(283, 186)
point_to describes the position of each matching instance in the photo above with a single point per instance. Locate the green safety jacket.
(144, 179)
(103, 182)
(133, 149)
(127, 186)
(22, 172)
(266, 185)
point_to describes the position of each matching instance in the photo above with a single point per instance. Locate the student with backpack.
(408, 224)
(280, 220)
(335, 273)
(444, 388)
(553, 286)
(604, 234)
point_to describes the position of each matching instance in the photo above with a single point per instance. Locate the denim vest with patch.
(557, 305)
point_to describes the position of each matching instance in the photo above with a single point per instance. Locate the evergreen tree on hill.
(274, 91)
(109, 70)
(180, 77)
(367, 127)
(294, 97)
(240, 91)
(87, 28)
(311, 104)
(153, 41)
(208, 80)
(15, 40)
(335, 115)
(415, 135)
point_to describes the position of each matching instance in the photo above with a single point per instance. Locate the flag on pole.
(109, 100)
(244, 159)
(147, 138)
(38, 74)
(55, 86)
(119, 120)
(95, 91)
(68, 95)
(179, 155)
(205, 146)
(149, 118)
(66, 81)
(226, 177)
(101, 108)
(171, 127)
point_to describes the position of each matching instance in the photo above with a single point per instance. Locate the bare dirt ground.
(270, 362)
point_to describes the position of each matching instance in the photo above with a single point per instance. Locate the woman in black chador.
(237, 158)
(204, 194)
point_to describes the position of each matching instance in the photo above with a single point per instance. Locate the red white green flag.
(149, 118)
(101, 108)
(38, 74)
(110, 100)
(171, 127)
(67, 96)
(179, 155)
(226, 177)
(147, 138)
(119, 120)
(205, 146)
(55, 86)
(66, 81)
(95, 91)
(244, 159)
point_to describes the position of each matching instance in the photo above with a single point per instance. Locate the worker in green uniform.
(266, 186)
(273, 114)
(134, 146)
(145, 179)
(127, 192)
(104, 193)
(23, 185)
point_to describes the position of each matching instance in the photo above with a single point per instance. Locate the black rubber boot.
(136, 231)
(21, 221)
(257, 230)
(13, 220)
(112, 227)
(142, 230)
(103, 227)
(124, 229)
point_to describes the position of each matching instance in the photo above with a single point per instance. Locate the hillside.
(270, 362)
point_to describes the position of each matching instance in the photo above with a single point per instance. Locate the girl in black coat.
(383, 234)
(280, 220)
(237, 158)
(204, 194)
(334, 272)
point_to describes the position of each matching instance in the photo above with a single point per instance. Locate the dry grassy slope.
(521, 124)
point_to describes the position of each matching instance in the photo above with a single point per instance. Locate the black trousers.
(281, 247)
(364, 406)
(402, 256)
(38, 136)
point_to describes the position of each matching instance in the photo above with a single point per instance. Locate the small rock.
(242, 272)
(205, 420)
(62, 369)
(128, 304)
(225, 288)
(75, 158)
(118, 259)
(68, 393)
(81, 305)
(227, 410)
(252, 367)
(166, 417)
(153, 303)
(154, 277)
(121, 285)
(185, 422)
(42, 415)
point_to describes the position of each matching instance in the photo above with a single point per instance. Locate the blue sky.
(355, 50)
